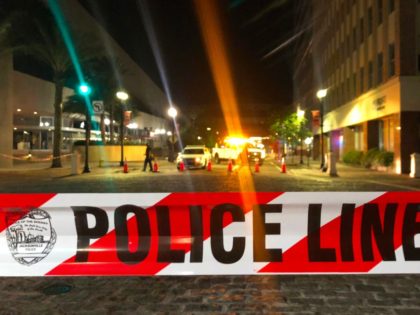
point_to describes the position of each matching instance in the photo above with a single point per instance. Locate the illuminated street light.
(308, 142)
(300, 116)
(300, 113)
(84, 89)
(172, 112)
(122, 96)
(107, 121)
(208, 129)
(321, 94)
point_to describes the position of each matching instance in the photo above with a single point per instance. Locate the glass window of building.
(362, 86)
(354, 38)
(418, 63)
(370, 21)
(391, 6)
(380, 11)
(362, 30)
(370, 75)
(380, 134)
(380, 68)
(354, 84)
(391, 65)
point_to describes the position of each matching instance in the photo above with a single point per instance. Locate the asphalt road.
(169, 179)
(351, 294)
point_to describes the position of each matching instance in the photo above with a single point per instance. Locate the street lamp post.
(321, 95)
(85, 90)
(122, 96)
(308, 142)
(172, 112)
(300, 115)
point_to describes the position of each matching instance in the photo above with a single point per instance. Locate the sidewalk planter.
(112, 153)
(375, 159)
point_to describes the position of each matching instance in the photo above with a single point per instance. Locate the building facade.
(27, 109)
(367, 54)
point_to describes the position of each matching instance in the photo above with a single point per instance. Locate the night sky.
(252, 28)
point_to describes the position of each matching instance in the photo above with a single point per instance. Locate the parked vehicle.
(194, 156)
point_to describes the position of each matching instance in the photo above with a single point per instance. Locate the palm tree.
(41, 39)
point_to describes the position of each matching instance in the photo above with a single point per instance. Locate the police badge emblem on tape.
(31, 238)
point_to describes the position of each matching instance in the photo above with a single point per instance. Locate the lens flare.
(211, 29)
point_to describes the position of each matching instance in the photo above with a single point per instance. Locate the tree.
(290, 130)
(37, 35)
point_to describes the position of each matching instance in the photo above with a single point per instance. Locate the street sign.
(98, 106)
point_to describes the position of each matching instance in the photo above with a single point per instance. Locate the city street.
(317, 294)
(111, 178)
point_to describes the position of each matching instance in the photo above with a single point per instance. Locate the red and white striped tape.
(209, 233)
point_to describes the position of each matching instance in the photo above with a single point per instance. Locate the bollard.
(125, 169)
(230, 167)
(155, 167)
(209, 166)
(332, 169)
(181, 166)
(75, 163)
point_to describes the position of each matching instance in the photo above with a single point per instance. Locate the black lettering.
(315, 252)
(261, 229)
(165, 253)
(122, 238)
(346, 232)
(196, 224)
(410, 228)
(384, 236)
(216, 230)
(84, 233)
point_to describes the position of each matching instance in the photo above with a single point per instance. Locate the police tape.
(209, 233)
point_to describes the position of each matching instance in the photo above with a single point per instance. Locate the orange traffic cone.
(125, 166)
(181, 166)
(283, 165)
(209, 166)
(257, 167)
(230, 167)
(155, 167)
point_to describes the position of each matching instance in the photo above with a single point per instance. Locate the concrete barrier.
(112, 153)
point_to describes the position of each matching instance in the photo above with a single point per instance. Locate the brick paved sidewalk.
(393, 295)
